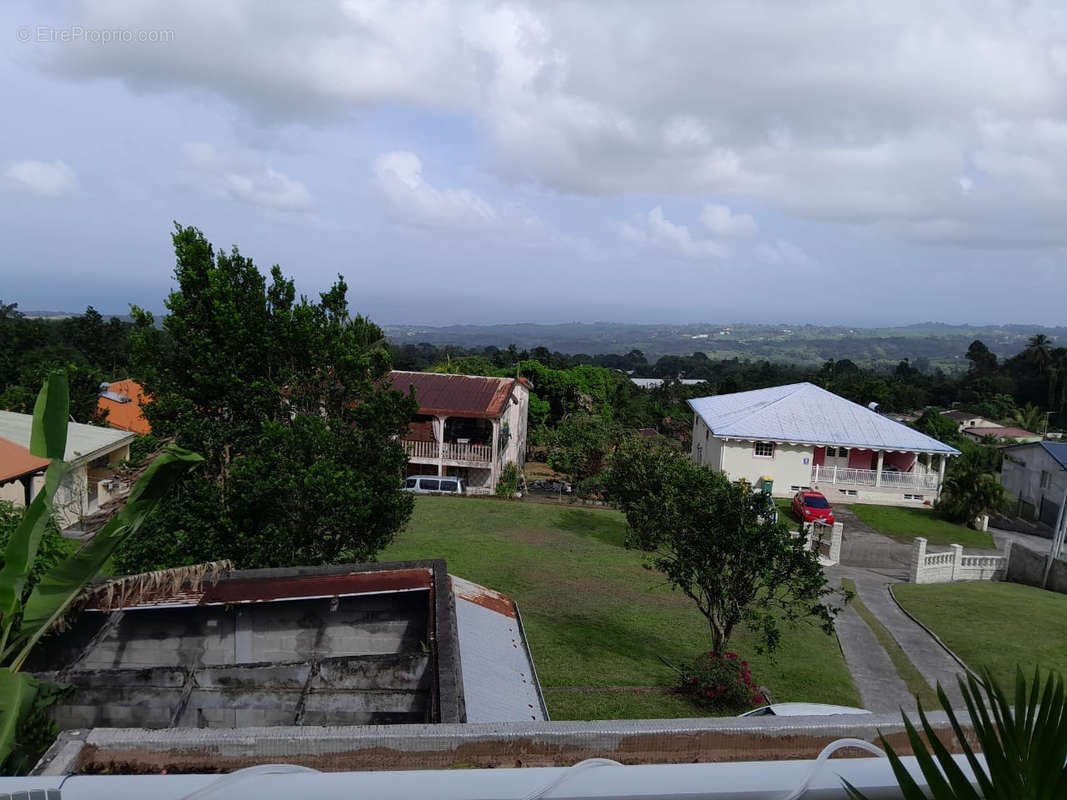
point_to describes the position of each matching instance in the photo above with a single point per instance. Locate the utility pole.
(1057, 541)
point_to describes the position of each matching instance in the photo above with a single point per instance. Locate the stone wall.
(1028, 567)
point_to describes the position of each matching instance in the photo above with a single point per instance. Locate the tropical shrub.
(721, 682)
(1023, 740)
(508, 484)
(26, 617)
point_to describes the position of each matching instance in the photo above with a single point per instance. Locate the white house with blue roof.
(1036, 475)
(803, 437)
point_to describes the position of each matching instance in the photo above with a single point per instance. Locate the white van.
(434, 484)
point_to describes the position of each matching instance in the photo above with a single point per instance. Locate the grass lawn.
(595, 616)
(994, 624)
(905, 524)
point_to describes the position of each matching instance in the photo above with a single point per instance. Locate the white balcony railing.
(429, 451)
(846, 476)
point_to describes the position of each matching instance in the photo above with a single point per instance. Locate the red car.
(813, 507)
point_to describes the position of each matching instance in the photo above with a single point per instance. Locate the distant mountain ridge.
(939, 344)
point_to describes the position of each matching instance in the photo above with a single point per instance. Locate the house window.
(763, 450)
(831, 452)
(1046, 478)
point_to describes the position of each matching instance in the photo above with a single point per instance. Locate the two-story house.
(468, 425)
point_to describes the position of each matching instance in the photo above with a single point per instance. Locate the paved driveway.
(862, 546)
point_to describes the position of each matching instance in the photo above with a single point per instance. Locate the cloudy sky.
(852, 162)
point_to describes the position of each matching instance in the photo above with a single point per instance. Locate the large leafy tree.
(581, 445)
(284, 398)
(971, 486)
(716, 543)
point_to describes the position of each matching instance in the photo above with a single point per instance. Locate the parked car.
(434, 484)
(813, 507)
(802, 710)
(549, 486)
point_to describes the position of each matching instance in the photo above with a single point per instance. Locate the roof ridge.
(796, 387)
(456, 375)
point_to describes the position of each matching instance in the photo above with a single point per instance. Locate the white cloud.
(245, 177)
(655, 229)
(721, 221)
(44, 178)
(416, 202)
(854, 113)
(784, 254)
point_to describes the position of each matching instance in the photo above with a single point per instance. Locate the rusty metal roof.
(456, 395)
(499, 680)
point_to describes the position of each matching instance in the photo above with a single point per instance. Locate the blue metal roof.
(808, 414)
(1058, 450)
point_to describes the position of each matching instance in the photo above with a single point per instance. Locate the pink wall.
(862, 459)
(902, 461)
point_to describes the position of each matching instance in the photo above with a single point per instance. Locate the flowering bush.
(721, 682)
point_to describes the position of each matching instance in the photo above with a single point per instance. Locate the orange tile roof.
(16, 461)
(126, 416)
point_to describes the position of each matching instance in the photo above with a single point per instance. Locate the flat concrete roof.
(344, 645)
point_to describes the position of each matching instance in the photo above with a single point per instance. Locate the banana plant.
(1024, 745)
(23, 624)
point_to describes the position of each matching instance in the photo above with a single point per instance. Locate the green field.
(994, 624)
(905, 524)
(594, 614)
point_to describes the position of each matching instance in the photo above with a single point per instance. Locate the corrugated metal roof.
(125, 415)
(1003, 433)
(16, 461)
(456, 395)
(499, 680)
(84, 442)
(805, 413)
(1058, 450)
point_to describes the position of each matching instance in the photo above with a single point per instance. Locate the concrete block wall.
(1027, 566)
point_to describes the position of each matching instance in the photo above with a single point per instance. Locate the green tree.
(935, 424)
(715, 542)
(1030, 418)
(971, 487)
(981, 357)
(581, 445)
(285, 399)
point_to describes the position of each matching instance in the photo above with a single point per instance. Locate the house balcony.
(459, 453)
(887, 479)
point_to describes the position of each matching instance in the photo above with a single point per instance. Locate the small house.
(1035, 474)
(93, 455)
(468, 426)
(801, 436)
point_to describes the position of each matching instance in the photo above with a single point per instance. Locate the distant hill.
(938, 344)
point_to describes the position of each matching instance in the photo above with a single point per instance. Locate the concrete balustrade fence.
(826, 538)
(954, 565)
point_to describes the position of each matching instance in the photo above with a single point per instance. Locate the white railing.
(424, 450)
(869, 477)
(431, 451)
(953, 565)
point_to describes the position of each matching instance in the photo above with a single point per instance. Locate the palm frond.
(1024, 743)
